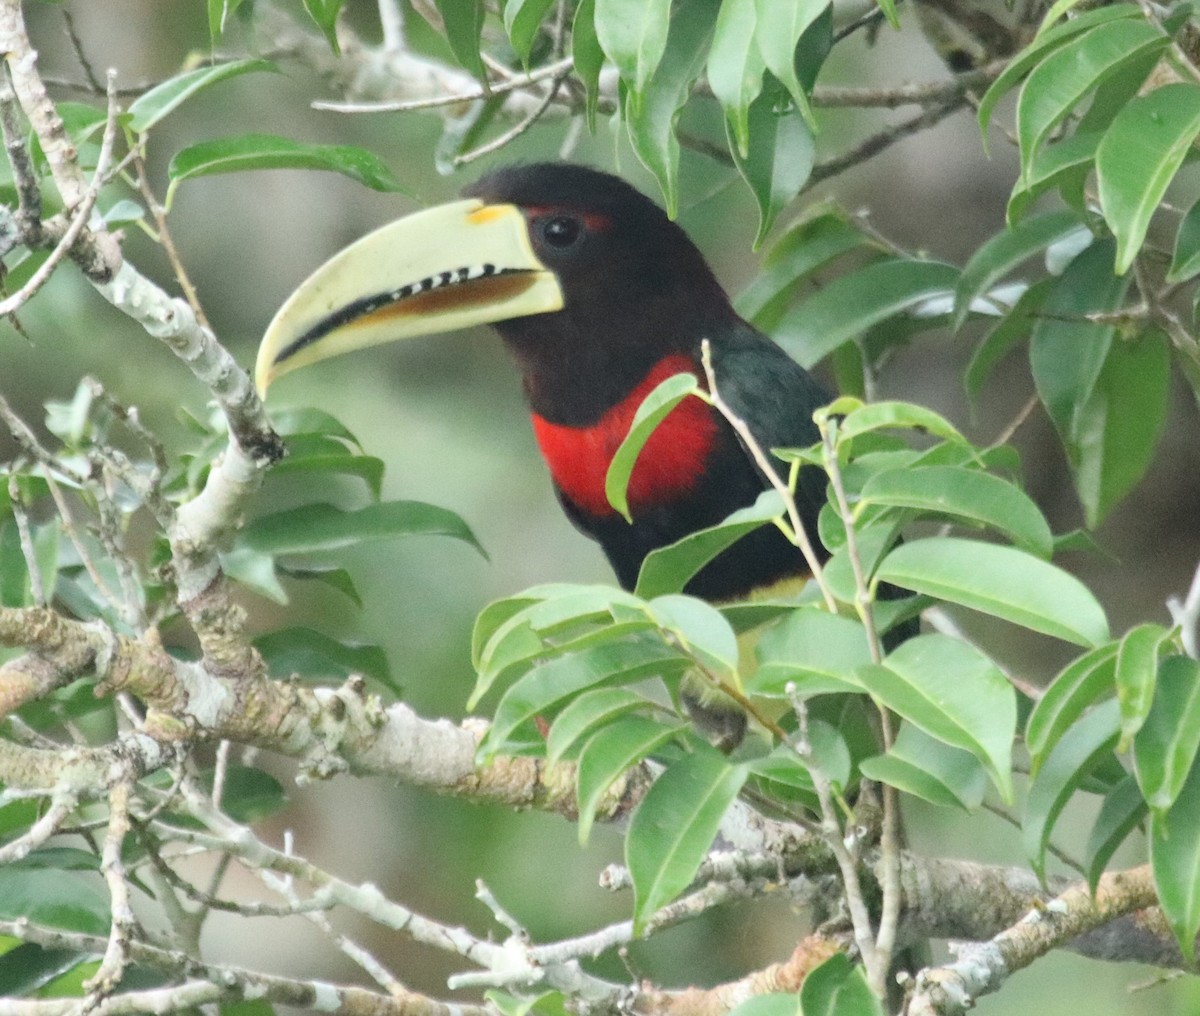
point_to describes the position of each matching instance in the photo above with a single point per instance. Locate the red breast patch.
(670, 462)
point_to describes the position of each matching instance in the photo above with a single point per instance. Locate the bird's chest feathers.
(670, 463)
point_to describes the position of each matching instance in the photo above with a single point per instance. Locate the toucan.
(599, 296)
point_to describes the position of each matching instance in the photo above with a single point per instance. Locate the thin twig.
(513, 132)
(116, 954)
(25, 536)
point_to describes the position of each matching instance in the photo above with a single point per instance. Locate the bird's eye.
(561, 231)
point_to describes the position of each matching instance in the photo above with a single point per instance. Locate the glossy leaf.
(778, 29)
(1067, 697)
(809, 243)
(651, 115)
(967, 494)
(317, 467)
(1066, 350)
(256, 572)
(316, 656)
(1185, 264)
(314, 528)
(269, 151)
(608, 753)
(1118, 428)
(1122, 811)
(68, 900)
(654, 408)
(773, 1004)
(1005, 252)
(1067, 767)
(335, 578)
(634, 35)
(954, 693)
(668, 569)
(735, 68)
(324, 14)
(930, 769)
(1137, 666)
(854, 303)
(673, 828)
(1064, 164)
(1060, 82)
(548, 684)
(248, 794)
(699, 630)
(865, 419)
(583, 715)
(830, 754)
(522, 19)
(1165, 748)
(1045, 44)
(777, 162)
(1002, 581)
(817, 651)
(463, 22)
(1175, 860)
(151, 106)
(588, 56)
(1004, 337)
(838, 988)
(1139, 156)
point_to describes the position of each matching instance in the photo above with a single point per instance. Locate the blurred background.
(447, 417)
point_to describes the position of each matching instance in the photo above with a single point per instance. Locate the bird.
(599, 296)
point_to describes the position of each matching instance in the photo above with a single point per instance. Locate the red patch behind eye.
(596, 222)
(668, 467)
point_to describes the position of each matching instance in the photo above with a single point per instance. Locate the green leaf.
(700, 630)
(778, 29)
(150, 107)
(582, 716)
(522, 19)
(363, 467)
(1006, 251)
(1060, 82)
(324, 14)
(930, 769)
(778, 159)
(546, 685)
(219, 13)
(1175, 859)
(588, 55)
(830, 755)
(1186, 262)
(27, 967)
(1011, 330)
(1066, 350)
(634, 35)
(1117, 430)
(735, 69)
(336, 578)
(1070, 762)
(673, 828)
(268, 151)
(1076, 687)
(255, 571)
(854, 303)
(314, 528)
(248, 794)
(954, 693)
(810, 242)
(865, 419)
(1064, 164)
(1137, 665)
(1045, 44)
(668, 569)
(654, 409)
(774, 1004)
(1164, 749)
(838, 988)
(1120, 814)
(1002, 581)
(966, 494)
(1139, 156)
(463, 22)
(817, 651)
(314, 655)
(68, 900)
(608, 753)
(650, 116)
(308, 420)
